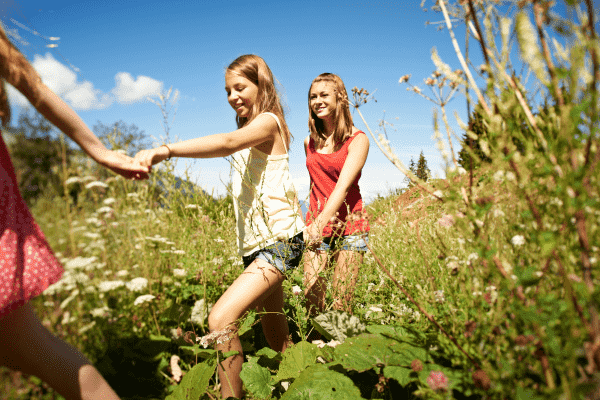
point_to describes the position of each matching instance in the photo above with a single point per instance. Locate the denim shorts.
(283, 255)
(354, 242)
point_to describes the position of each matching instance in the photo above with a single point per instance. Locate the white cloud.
(82, 95)
(128, 90)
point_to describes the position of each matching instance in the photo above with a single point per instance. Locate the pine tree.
(423, 171)
(465, 158)
(413, 168)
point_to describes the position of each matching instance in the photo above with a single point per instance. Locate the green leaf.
(256, 379)
(319, 382)
(400, 374)
(547, 243)
(248, 322)
(197, 351)
(529, 277)
(194, 383)
(296, 359)
(338, 325)
(369, 351)
(269, 358)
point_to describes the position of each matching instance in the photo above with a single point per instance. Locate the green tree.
(413, 168)
(471, 156)
(120, 136)
(423, 171)
(36, 155)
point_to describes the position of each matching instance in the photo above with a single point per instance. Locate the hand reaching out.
(147, 158)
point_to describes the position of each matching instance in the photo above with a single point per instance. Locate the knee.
(219, 320)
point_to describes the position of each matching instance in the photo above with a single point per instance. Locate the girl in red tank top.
(336, 151)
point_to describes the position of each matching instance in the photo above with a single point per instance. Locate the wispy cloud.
(81, 95)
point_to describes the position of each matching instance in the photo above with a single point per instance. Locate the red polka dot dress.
(27, 264)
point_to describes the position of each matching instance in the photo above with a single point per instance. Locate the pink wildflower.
(438, 381)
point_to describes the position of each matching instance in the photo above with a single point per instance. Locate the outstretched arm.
(17, 71)
(357, 156)
(260, 130)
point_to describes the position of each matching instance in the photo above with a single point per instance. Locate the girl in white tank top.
(268, 216)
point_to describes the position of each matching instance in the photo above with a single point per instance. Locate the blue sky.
(112, 55)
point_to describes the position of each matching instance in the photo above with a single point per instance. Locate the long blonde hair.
(342, 116)
(256, 70)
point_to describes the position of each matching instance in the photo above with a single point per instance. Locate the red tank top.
(324, 171)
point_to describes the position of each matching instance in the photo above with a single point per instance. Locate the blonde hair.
(342, 116)
(256, 70)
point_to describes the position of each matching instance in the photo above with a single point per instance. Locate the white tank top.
(264, 198)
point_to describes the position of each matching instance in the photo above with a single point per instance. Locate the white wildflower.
(219, 240)
(179, 273)
(96, 184)
(73, 179)
(375, 309)
(49, 303)
(479, 223)
(195, 206)
(67, 319)
(473, 257)
(370, 286)
(462, 171)
(143, 299)
(110, 285)
(66, 301)
(137, 284)
(80, 262)
(218, 336)
(518, 240)
(104, 210)
(101, 312)
(109, 201)
(297, 290)
(217, 260)
(178, 252)
(438, 193)
(499, 176)
(122, 272)
(133, 195)
(439, 296)
(510, 176)
(200, 312)
(86, 328)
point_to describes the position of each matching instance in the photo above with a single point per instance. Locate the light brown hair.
(256, 70)
(343, 118)
(16, 70)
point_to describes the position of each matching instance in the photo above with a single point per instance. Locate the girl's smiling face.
(241, 93)
(323, 99)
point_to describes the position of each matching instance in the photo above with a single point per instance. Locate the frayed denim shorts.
(354, 242)
(283, 255)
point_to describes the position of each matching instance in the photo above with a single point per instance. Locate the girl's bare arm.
(261, 129)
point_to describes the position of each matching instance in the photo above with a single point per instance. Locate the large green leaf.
(368, 351)
(338, 325)
(256, 379)
(296, 359)
(319, 382)
(194, 383)
(400, 374)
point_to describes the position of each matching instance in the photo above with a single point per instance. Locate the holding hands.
(122, 164)
(147, 158)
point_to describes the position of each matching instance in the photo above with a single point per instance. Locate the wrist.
(166, 152)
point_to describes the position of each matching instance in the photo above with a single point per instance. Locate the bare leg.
(256, 284)
(27, 346)
(344, 278)
(315, 262)
(273, 321)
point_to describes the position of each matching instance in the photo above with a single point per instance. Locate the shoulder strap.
(280, 128)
